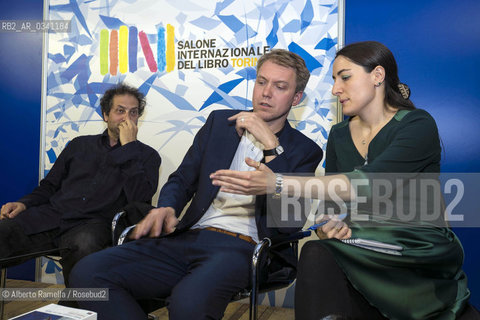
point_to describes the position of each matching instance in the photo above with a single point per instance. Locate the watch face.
(279, 150)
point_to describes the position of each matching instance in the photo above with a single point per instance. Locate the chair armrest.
(131, 214)
(15, 260)
(280, 239)
(115, 220)
(272, 242)
(260, 249)
(124, 234)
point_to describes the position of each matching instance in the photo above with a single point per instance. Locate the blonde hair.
(288, 59)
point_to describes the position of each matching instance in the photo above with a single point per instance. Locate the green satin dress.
(426, 281)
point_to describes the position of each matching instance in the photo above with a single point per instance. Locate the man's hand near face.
(127, 131)
(256, 126)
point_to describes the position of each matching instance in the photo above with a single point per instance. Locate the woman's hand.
(260, 181)
(334, 228)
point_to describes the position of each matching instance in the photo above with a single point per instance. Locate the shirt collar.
(106, 140)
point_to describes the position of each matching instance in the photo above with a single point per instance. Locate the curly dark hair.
(121, 89)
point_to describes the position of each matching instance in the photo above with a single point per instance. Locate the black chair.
(259, 286)
(260, 282)
(16, 260)
(136, 212)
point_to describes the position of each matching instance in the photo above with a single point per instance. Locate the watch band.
(273, 152)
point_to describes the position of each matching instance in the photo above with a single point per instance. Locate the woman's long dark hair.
(369, 55)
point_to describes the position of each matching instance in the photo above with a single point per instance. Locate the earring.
(379, 84)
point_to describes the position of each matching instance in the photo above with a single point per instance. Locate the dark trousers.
(80, 240)
(322, 289)
(198, 270)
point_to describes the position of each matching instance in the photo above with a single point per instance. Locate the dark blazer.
(213, 148)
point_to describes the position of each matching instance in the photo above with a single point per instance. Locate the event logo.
(119, 50)
(205, 54)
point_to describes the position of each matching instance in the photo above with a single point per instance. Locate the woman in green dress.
(385, 138)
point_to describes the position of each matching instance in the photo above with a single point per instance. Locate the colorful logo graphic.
(119, 50)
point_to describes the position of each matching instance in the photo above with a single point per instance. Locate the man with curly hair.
(92, 179)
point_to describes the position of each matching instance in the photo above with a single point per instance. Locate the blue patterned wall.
(180, 99)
